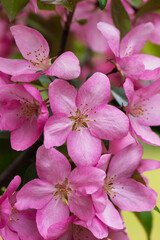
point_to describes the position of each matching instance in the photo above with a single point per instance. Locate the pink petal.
(108, 122)
(26, 226)
(30, 43)
(125, 162)
(98, 230)
(90, 96)
(133, 196)
(5, 212)
(34, 92)
(86, 180)
(82, 207)
(103, 162)
(26, 77)
(51, 215)
(66, 66)
(112, 35)
(56, 230)
(83, 148)
(129, 91)
(14, 66)
(111, 217)
(148, 165)
(131, 66)
(7, 234)
(82, 233)
(134, 41)
(35, 194)
(118, 235)
(62, 97)
(24, 136)
(100, 200)
(14, 184)
(144, 133)
(56, 130)
(46, 159)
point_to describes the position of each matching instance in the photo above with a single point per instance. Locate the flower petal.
(30, 42)
(46, 159)
(125, 162)
(131, 195)
(35, 194)
(148, 165)
(50, 215)
(62, 97)
(95, 91)
(83, 148)
(56, 130)
(134, 41)
(112, 35)
(108, 122)
(66, 66)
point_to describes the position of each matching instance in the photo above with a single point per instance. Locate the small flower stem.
(43, 90)
(50, 78)
(65, 32)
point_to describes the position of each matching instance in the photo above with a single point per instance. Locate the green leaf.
(157, 209)
(69, 4)
(102, 4)
(120, 96)
(82, 21)
(136, 3)
(156, 129)
(45, 6)
(151, 5)
(146, 220)
(120, 17)
(106, 144)
(13, 7)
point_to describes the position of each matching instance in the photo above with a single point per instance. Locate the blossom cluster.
(80, 195)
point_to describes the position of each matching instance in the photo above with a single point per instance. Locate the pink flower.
(23, 112)
(16, 224)
(35, 50)
(143, 110)
(59, 191)
(127, 58)
(83, 118)
(123, 190)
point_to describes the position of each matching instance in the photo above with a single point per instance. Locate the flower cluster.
(79, 192)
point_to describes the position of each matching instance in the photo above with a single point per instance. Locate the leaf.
(106, 143)
(69, 4)
(13, 7)
(30, 173)
(156, 129)
(102, 4)
(157, 209)
(151, 5)
(136, 3)
(120, 17)
(45, 6)
(82, 21)
(146, 220)
(120, 96)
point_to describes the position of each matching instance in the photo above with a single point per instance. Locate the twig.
(23, 160)
(65, 32)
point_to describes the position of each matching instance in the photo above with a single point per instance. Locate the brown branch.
(65, 32)
(23, 161)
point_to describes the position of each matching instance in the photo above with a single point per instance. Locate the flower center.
(28, 109)
(140, 109)
(63, 191)
(79, 118)
(108, 186)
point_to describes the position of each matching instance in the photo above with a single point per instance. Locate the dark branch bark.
(23, 161)
(65, 32)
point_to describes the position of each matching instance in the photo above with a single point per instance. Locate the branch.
(23, 161)
(65, 32)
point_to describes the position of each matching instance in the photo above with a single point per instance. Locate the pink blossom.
(59, 191)
(123, 190)
(23, 112)
(35, 50)
(143, 110)
(16, 224)
(128, 60)
(83, 118)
